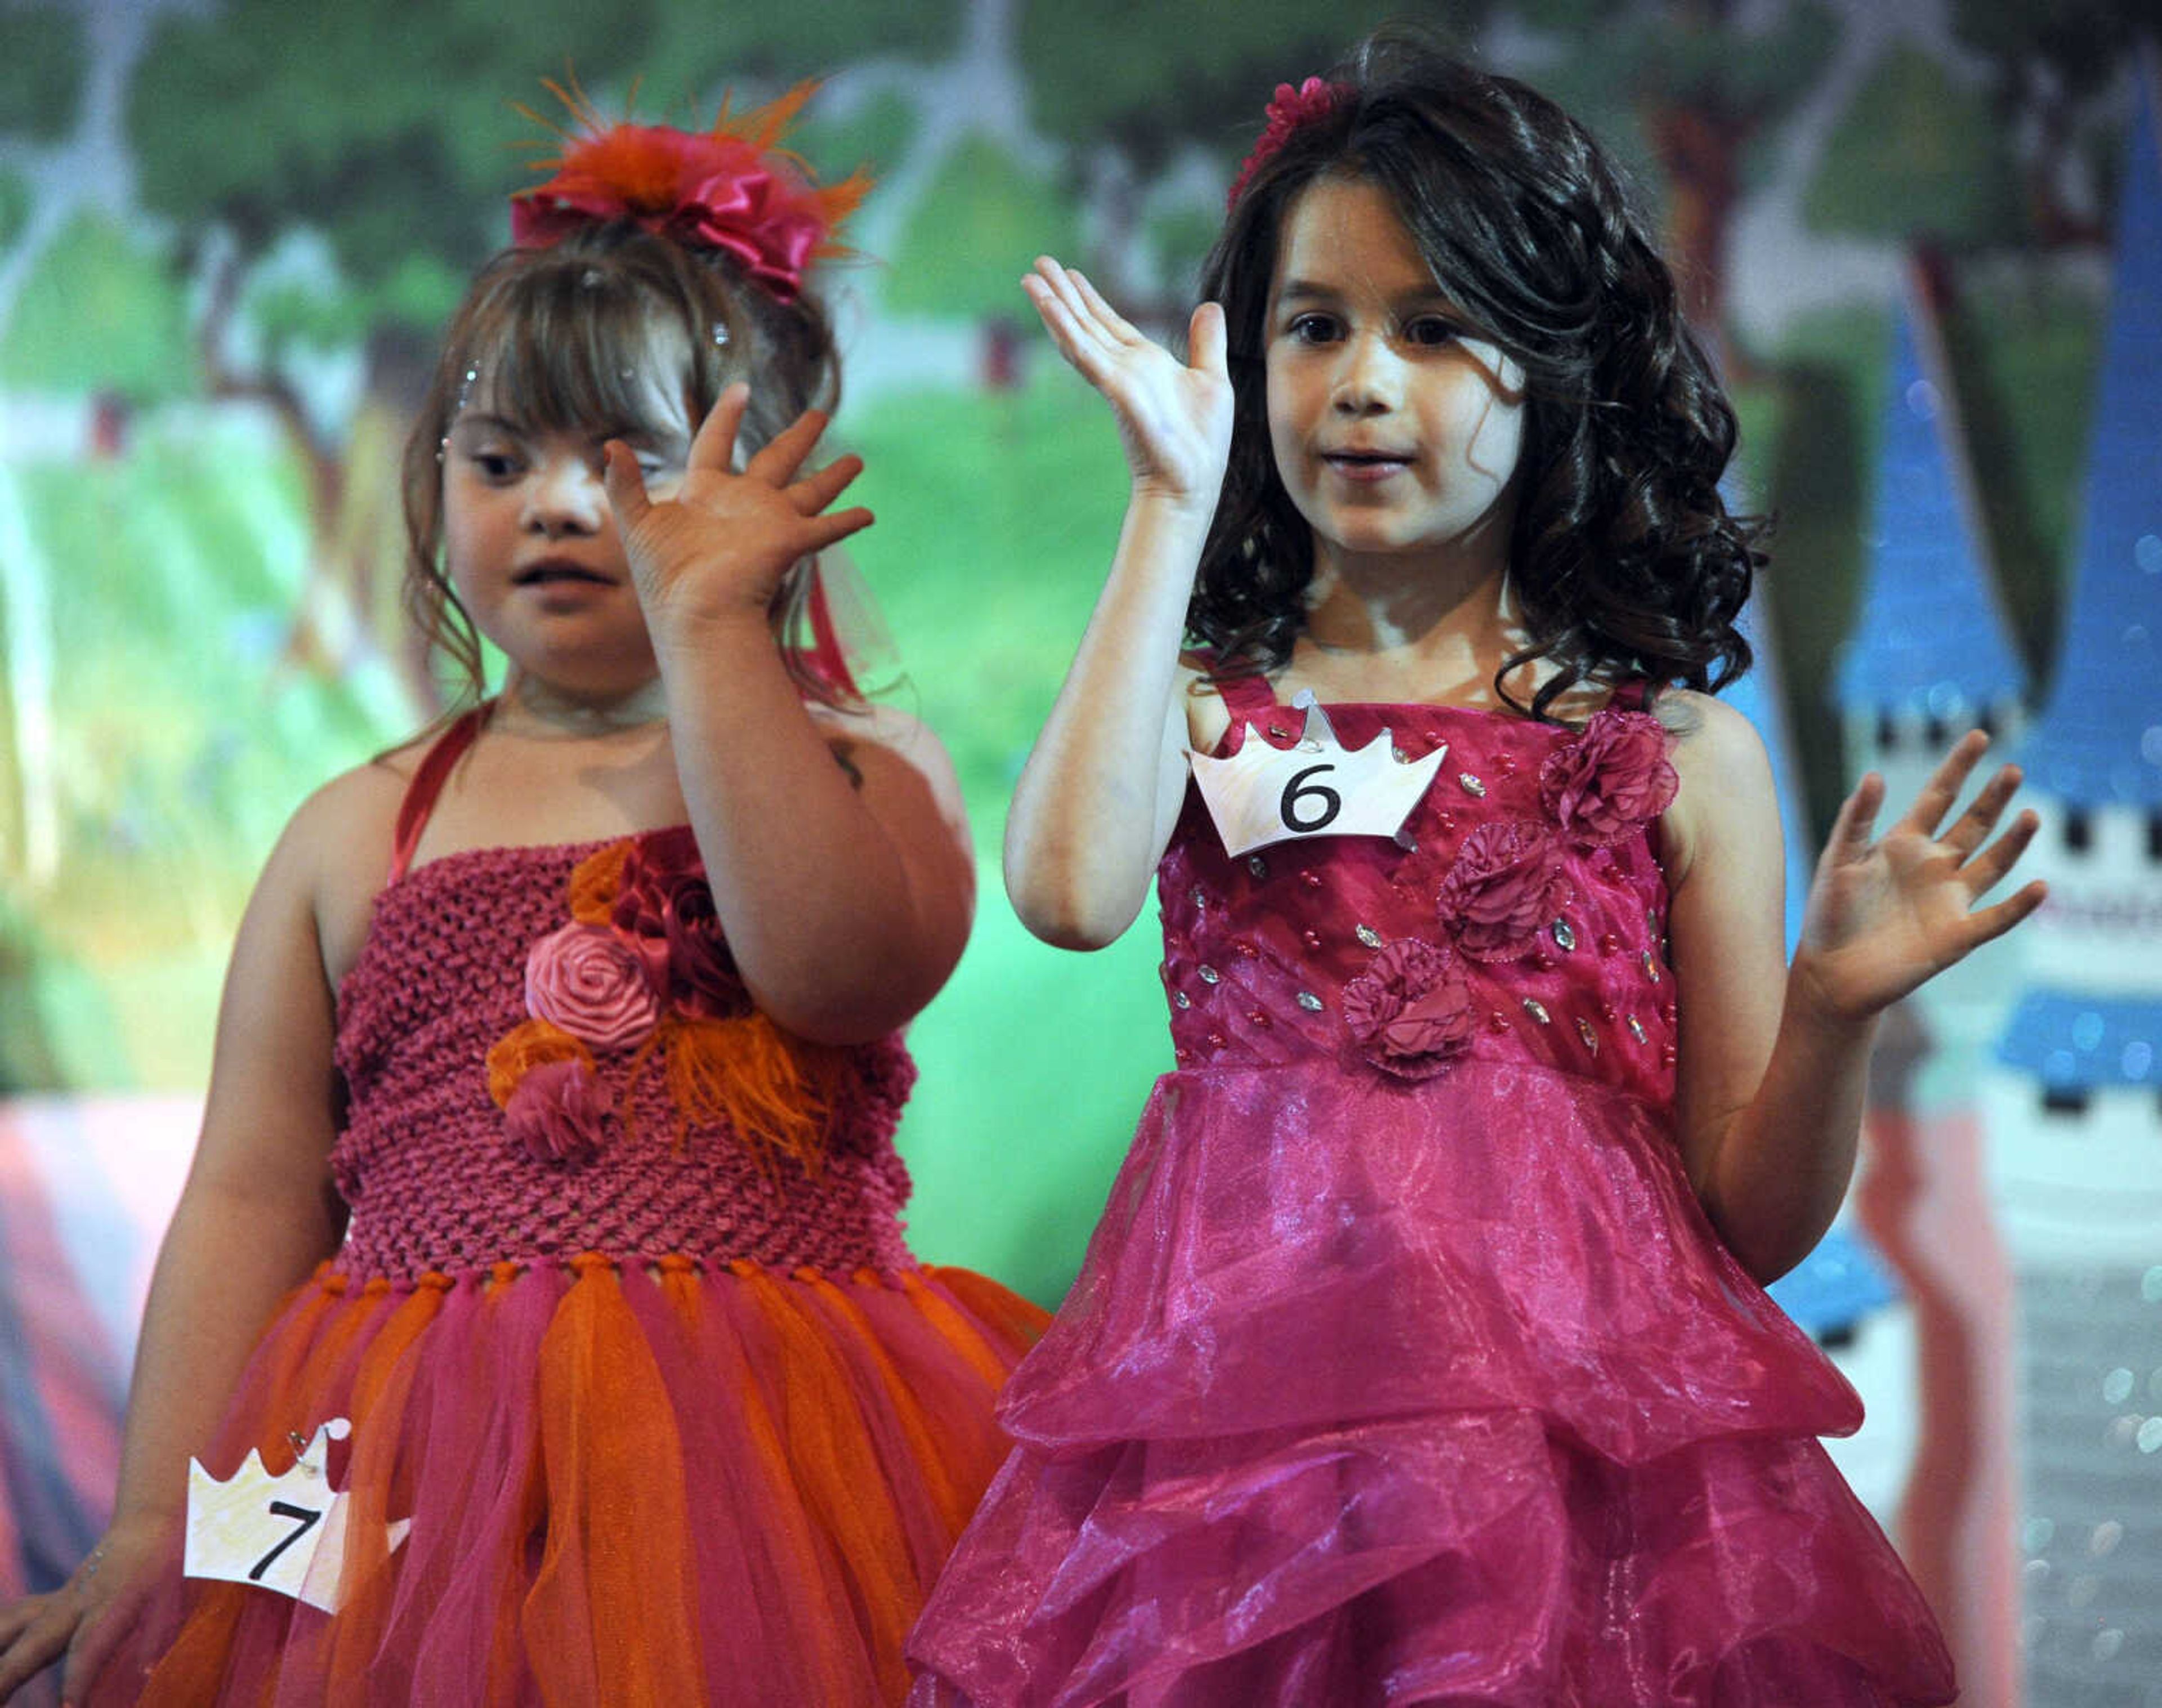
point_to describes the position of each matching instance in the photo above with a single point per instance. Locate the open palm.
(720, 544)
(1174, 419)
(1886, 914)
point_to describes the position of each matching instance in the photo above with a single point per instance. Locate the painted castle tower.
(2075, 1123)
(1931, 660)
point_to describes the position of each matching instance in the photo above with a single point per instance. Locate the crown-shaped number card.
(1319, 788)
(285, 1532)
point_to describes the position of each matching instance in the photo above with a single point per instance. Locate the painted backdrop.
(229, 227)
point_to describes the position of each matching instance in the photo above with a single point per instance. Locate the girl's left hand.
(1885, 916)
(717, 549)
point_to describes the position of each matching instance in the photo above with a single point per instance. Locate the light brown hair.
(564, 338)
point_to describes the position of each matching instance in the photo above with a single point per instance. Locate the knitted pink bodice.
(435, 1181)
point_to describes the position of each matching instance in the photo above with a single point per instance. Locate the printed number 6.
(1288, 810)
(308, 1516)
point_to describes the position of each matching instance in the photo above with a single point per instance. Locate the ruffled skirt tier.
(1346, 1409)
(628, 1484)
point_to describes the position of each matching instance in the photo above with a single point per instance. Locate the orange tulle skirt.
(666, 1482)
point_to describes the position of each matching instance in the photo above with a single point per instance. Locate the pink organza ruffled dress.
(1404, 1366)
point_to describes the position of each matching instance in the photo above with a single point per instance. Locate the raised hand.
(1174, 420)
(1884, 916)
(717, 546)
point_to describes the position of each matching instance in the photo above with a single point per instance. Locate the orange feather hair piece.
(731, 187)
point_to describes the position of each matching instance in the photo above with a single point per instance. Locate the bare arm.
(256, 1216)
(1771, 1070)
(1097, 801)
(837, 845)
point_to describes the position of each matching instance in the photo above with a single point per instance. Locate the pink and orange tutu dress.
(1404, 1366)
(624, 1324)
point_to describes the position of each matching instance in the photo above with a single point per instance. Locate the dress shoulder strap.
(1247, 698)
(428, 779)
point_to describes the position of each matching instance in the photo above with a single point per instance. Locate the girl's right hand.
(84, 1619)
(1174, 420)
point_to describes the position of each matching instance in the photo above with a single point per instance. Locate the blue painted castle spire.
(2091, 1018)
(1930, 644)
(2099, 740)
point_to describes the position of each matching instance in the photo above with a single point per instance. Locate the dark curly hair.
(565, 337)
(1624, 559)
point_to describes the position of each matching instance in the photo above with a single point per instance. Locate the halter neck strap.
(1247, 698)
(428, 779)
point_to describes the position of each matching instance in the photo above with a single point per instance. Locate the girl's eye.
(1428, 330)
(1311, 329)
(496, 465)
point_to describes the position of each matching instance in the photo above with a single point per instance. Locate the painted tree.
(1690, 88)
(2050, 65)
(41, 67)
(1169, 92)
(1696, 95)
(1918, 156)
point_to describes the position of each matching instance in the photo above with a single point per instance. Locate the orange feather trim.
(775, 1090)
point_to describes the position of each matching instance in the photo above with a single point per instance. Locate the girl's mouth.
(557, 570)
(1366, 466)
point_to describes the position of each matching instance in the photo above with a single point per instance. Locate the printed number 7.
(308, 1516)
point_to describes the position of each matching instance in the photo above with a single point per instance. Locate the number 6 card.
(1319, 788)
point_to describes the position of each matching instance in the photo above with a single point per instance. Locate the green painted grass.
(181, 743)
(1036, 1062)
(996, 518)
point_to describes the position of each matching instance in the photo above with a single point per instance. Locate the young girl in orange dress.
(1421, 1355)
(551, 1124)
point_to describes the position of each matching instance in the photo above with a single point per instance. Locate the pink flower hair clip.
(731, 188)
(1289, 110)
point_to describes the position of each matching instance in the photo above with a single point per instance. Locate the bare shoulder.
(1706, 730)
(335, 852)
(355, 813)
(906, 780)
(1725, 778)
(1207, 716)
(873, 725)
(895, 760)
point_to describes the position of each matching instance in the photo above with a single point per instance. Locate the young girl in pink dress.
(1421, 1355)
(550, 1125)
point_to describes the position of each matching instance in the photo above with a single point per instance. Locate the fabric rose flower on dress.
(559, 1112)
(588, 980)
(642, 967)
(663, 907)
(1507, 881)
(1611, 780)
(1408, 1012)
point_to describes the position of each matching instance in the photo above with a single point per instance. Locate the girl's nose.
(1369, 377)
(566, 497)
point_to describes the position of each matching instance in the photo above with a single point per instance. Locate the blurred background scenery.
(1925, 236)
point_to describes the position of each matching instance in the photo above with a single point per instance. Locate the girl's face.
(1395, 431)
(530, 543)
